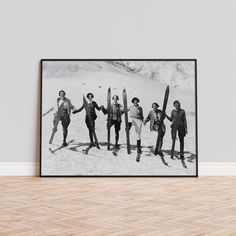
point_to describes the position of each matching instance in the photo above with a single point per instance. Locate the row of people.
(116, 111)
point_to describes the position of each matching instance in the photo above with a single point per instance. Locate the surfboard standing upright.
(159, 137)
(108, 118)
(126, 120)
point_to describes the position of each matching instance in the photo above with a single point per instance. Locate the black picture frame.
(121, 176)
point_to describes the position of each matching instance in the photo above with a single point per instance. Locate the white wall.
(35, 29)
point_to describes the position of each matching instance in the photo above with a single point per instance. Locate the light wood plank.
(117, 206)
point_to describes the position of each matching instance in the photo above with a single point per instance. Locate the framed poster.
(119, 117)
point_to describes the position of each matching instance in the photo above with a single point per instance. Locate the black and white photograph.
(119, 117)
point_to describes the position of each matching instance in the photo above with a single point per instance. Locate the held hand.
(168, 117)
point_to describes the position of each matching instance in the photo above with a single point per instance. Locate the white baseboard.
(217, 169)
(32, 169)
(19, 169)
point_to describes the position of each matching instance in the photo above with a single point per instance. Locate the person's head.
(62, 93)
(176, 104)
(115, 98)
(90, 96)
(155, 106)
(135, 101)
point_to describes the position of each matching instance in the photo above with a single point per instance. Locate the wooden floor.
(117, 206)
